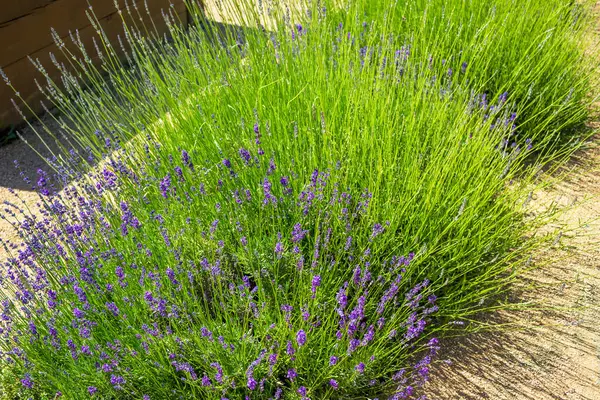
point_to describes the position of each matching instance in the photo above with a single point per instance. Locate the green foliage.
(442, 111)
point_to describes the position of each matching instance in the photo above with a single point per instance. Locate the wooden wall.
(25, 30)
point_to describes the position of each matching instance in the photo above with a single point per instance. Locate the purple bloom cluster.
(165, 186)
(189, 289)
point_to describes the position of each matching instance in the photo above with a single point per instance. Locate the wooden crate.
(25, 30)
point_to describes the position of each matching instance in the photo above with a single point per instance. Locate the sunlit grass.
(437, 115)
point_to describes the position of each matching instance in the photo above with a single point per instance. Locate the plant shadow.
(31, 151)
(547, 351)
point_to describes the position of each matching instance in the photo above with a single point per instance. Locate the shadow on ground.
(27, 157)
(555, 357)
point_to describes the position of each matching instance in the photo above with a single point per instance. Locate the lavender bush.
(295, 208)
(160, 275)
(110, 298)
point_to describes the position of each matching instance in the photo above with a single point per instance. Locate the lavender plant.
(296, 207)
(114, 300)
(289, 58)
(160, 275)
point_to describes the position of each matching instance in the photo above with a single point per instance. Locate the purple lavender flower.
(272, 359)
(301, 338)
(353, 345)
(245, 154)
(360, 367)
(302, 390)
(348, 243)
(272, 166)
(290, 348)
(292, 374)
(356, 275)
(502, 98)
(414, 330)
(305, 314)
(333, 360)
(333, 383)
(369, 335)
(300, 263)
(378, 229)
(32, 328)
(269, 197)
(278, 393)
(179, 172)
(388, 295)
(287, 309)
(165, 186)
(185, 158)
(219, 374)
(226, 163)
(112, 307)
(342, 297)
(316, 282)
(42, 182)
(251, 384)
(298, 233)
(279, 249)
(463, 67)
(27, 382)
(109, 178)
(117, 381)
(80, 294)
(206, 333)
(92, 390)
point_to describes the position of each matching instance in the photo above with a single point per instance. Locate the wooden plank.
(12, 9)
(31, 32)
(22, 73)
